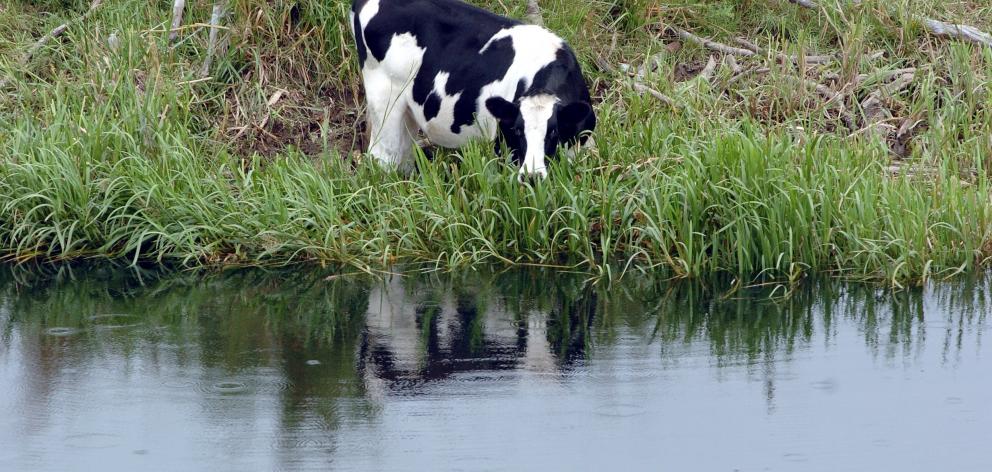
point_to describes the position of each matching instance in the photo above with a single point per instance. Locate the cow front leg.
(391, 139)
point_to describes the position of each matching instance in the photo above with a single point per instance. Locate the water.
(105, 369)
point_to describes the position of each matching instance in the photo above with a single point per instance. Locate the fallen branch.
(816, 59)
(935, 27)
(745, 73)
(833, 99)
(534, 16)
(177, 18)
(734, 66)
(58, 32)
(55, 33)
(962, 32)
(710, 44)
(805, 4)
(642, 89)
(827, 93)
(215, 18)
(872, 105)
(884, 75)
(710, 69)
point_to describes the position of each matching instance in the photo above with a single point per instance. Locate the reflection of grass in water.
(218, 327)
(749, 325)
(242, 311)
(244, 318)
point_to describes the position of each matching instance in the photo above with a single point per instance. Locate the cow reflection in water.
(417, 333)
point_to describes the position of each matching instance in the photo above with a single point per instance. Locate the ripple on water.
(795, 457)
(92, 441)
(114, 321)
(231, 387)
(620, 410)
(276, 386)
(179, 384)
(227, 387)
(62, 332)
(312, 444)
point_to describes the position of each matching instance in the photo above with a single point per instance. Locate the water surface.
(108, 369)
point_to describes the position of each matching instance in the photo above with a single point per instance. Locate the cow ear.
(575, 112)
(502, 109)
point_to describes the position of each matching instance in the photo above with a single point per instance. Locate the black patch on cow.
(511, 128)
(432, 106)
(563, 79)
(573, 114)
(356, 7)
(521, 88)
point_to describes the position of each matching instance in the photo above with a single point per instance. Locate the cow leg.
(393, 129)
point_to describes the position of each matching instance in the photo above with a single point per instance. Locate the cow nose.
(534, 175)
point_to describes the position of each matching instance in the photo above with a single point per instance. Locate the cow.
(457, 73)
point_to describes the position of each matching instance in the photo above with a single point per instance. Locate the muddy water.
(105, 369)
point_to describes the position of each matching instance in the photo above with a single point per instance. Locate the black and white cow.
(458, 72)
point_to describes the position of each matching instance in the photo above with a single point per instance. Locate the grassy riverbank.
(113, 145)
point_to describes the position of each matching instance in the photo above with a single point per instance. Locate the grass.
(124, 152)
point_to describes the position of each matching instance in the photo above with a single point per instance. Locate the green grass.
(124, 153)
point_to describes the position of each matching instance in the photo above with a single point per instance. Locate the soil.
(297, 120)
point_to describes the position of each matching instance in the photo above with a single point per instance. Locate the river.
(106, 368)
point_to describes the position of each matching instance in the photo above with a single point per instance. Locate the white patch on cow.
(369, 10)
(536, 111)
(438, 129)
(388, 91)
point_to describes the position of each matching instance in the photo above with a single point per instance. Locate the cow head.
(534, 126)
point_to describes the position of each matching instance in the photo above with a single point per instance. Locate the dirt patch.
(327, 119)
(901, 142)
(686, 71)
